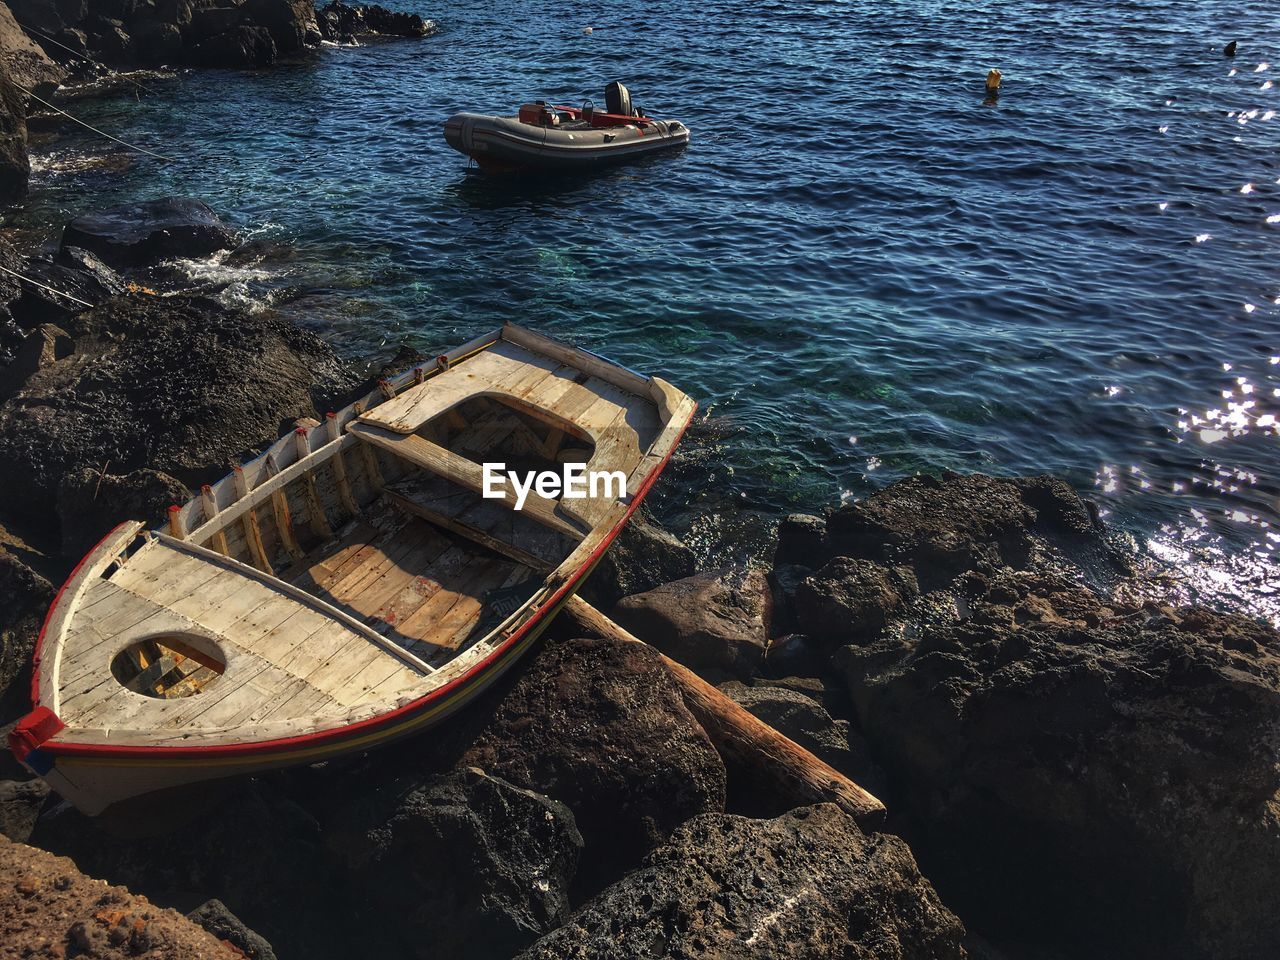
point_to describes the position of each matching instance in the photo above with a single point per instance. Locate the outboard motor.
(617, 99)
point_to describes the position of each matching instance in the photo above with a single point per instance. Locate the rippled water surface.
(861, 267)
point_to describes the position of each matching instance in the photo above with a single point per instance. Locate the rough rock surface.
(20, 805)
(344, 23)
(24, 598)
(90, 503)
(138, 234)
(15, 166)
(715, 623)
(214, 917)
(49, 909)
(177, 384)
(463, 864)
(601, 727)
(848, 600)
(25, 62)
(1077, 768)
(808, 885)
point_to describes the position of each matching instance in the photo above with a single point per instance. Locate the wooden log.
(781, 764)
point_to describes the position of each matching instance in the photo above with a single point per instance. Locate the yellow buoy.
(993, 81)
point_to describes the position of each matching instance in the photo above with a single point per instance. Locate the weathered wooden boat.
(351, 585)
(551, 138)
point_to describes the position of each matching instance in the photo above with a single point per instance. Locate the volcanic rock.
(139, 234)
(807, 885)
(715, 623)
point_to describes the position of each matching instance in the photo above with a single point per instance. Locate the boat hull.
(504, 144)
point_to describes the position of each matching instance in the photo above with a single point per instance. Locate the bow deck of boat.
(354, 569)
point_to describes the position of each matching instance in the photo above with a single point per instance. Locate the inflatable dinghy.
(551, 138)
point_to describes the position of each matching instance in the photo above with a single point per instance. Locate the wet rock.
(1084, 771)
(343, 23)
(601, 727)
(801, 717)
(943, 527)
(20, 804)
(291, 23)
(808, 884)
(464, 864)
(850, 601)
(78, 288)
(644, 556)
(214, 917)
(138, 234)
(48, 908)
(715, 623)
(175, 384)
(802, 539)
(241, 46)
(25, 62)
(24, 599)
(15, 167)
(91, 503)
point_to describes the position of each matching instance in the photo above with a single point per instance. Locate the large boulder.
(48, 908)
(850, 601)
(25, 62)
(214, 916)
(291, 23)
(600, 726)
(91, 502)
(1077, 769)
(807, 885)
(461, 864)
(176, 384)
(715, 623)
(340, 22)
(140, 234)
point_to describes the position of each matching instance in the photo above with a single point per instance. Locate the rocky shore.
(1073, 767)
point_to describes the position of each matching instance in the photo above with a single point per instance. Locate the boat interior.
(356, 565)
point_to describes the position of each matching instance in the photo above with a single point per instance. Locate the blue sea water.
(861, 266)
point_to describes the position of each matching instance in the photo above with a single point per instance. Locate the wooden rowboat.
(351, 585)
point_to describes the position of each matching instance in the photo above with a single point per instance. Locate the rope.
(103, 133)
(45, 287)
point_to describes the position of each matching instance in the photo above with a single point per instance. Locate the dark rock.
(802, 539)
(644, 556)
(91, 503)
(214, 916)
(110, 42)
(24, 599)
(76, 286)
(808, 885)
(177, 12)
(40, 14)
(15, 167)
(341, 23)
(23, 61)
(290, 22)
(795, 655)
(715, 623)
(601, 727)
(850, 601)
(139, 234)
(157, 43)
(784, 583)
(40, 348)
(20, 805)
(242, 46)
(176, 384)
(464, 865)
(802, 717)
(943, 527)
(209, 21)
(1085, 772)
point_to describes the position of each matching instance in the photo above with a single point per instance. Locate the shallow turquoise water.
(861, 268)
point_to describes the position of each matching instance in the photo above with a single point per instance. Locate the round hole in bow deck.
(167, 667)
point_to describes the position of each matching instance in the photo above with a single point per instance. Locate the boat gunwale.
(398, 716)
